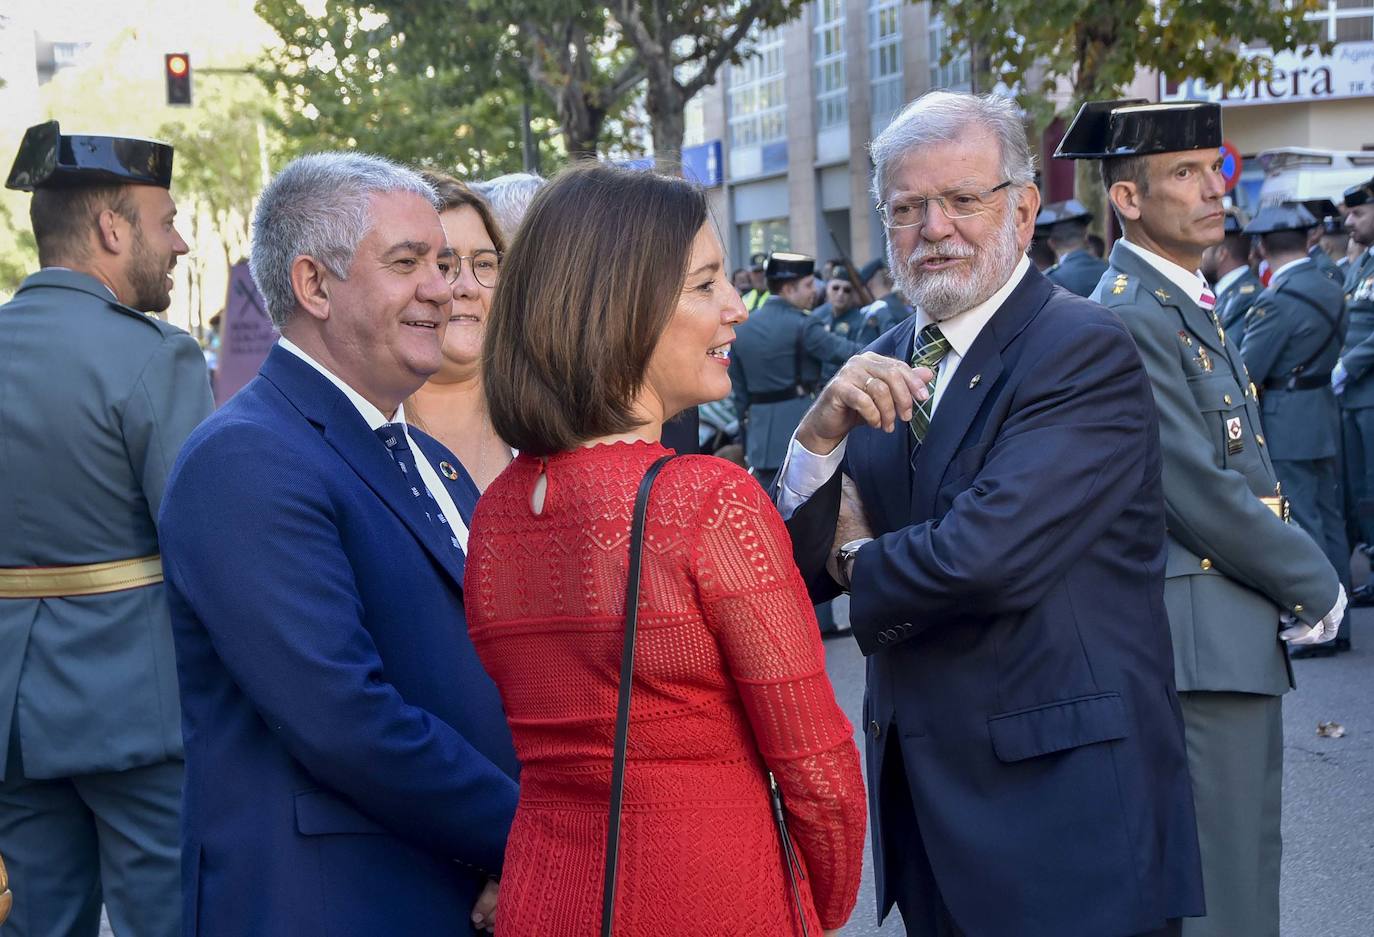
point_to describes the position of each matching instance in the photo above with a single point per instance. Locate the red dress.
(729, 678)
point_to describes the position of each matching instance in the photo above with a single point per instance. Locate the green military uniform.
(859, 324)
(1357, 395)
(1232, 304)
(1234, 567)
(1292, 341)
(1078, 272)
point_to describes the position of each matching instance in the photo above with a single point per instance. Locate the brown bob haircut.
(454, 194)
(585, 293)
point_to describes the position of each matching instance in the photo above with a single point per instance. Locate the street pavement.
(1328, 822)
(1328, 792)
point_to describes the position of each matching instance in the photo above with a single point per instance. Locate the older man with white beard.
(994, 508)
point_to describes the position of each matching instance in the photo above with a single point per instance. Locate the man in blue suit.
(1003, 544)
(348, 766)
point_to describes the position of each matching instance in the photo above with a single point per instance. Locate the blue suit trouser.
(71, 844)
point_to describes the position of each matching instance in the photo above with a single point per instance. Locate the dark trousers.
(1357, 438)
(1313, 487)
(71, 844)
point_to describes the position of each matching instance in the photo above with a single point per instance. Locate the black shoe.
(1307, 651)
(1363, 597)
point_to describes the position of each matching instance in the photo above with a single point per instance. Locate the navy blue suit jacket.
(1012, 611)
(348, 766)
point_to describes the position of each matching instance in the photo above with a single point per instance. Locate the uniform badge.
(1235, 437)
(449, 471)
(1247, 289)
(1185, 338)
(1120, 286)
(1204, 360)
(842, 328)
(1163, 296)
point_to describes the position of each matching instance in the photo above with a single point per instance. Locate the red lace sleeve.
(755, 602)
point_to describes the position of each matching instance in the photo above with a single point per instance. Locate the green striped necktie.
(930, 348)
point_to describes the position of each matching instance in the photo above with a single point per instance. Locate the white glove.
(1325, 630)
(1338, 377)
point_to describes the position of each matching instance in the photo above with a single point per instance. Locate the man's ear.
(309, 283)
(1027, 209)
(1125, 198)
(113, 231)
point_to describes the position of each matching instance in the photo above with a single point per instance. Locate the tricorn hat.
(1359, 194)
(869, 270)
(1135, 127)
(783, 266)
(1236, 221)
(51, 159)
(1286, 216)
(1058, 212)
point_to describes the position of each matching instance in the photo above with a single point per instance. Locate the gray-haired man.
(348, 766)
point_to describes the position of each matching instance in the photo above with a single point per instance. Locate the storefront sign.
(1348, 72)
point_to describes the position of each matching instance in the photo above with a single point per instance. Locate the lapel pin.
(1163, 296)
(449, 471)
(973, 381)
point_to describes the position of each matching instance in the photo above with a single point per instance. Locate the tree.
(682, 46)
(1099, 46)
(423, 89)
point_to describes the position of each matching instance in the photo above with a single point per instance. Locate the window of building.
(832, 109)
(65, 54)
(1347, 20)
(757, 99)
(885, 60)
(763, 237)
(954, 76)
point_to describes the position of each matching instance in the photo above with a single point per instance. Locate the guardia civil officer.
(775, 363)
(1323, 212)
(96, 398)
(1227, 267)
(1353, 376)
(1239, 580)
(1292, 340)
(1076, 269)
(844, 314)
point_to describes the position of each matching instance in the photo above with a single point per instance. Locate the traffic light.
(177, 66)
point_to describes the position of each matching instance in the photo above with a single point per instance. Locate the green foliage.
(1101, 45)
(432, 96)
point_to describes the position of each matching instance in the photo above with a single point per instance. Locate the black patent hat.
(1135, 127)
(782, 266)
(1056, 212)
(1359, 194)
(1288, 216)
(51, 159)
(1235, 221)
(870, 269)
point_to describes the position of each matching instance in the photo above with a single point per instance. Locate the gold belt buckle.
(1279, 505)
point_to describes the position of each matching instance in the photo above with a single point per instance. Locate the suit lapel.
(969, 387)
(344, 428)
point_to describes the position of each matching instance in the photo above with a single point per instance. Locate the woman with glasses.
(450, 406)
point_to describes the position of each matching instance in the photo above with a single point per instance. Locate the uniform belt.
(788, 393)
(1299, 381)
(58, 582)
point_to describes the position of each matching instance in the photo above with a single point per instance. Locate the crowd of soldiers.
(1305, 332)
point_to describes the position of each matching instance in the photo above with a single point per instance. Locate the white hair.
(509, 197)
(944, 116)
(319, 206)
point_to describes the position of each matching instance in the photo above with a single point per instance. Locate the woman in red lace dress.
(615, 312)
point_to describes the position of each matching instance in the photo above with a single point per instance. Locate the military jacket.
(1325, 265)
(1078, 272)
(775, 372)
(96, 400)
(859, 324)
(1233, 304)
(1233, 566)
(1358, 353)
(1294, 331)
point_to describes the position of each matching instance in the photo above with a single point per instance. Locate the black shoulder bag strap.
(622, 709)
(622, 729)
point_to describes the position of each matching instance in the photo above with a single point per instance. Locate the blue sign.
(700, 163)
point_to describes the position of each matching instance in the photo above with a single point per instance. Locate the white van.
(1298, 174)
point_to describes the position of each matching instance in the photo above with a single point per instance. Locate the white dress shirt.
(803, 472)
(376, 420)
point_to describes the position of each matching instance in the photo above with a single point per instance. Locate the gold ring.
(870, 380)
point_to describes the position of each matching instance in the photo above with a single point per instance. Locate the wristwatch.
(844, 560)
